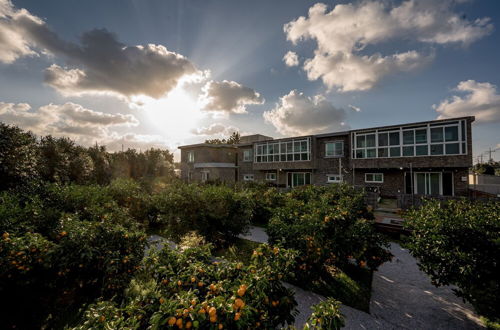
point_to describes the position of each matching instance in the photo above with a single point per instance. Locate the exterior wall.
(352, 170)
(330, 165)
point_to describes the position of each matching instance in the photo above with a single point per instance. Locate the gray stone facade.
(227, 162)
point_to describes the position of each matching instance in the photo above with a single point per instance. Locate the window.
(294, 150)
(190, 156)
(433, 139)
(333, 178)
(247, 155)
(271, 176)
(374, 177)
(296, 179)
(248, 177)
(204, 176)
(334, 149)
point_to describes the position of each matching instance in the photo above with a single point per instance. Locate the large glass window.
(374, 177)
(247, 155)
(434, 139)
(291, 150)
(334, 149)
(190, 156)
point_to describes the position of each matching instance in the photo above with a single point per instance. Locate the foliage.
(458, 242)
(265, 200)
(186, 289)
(234, 138)
(325, 315)
(489, 168)
(49, 274)
(328, 226)
(218, 213)
(18, 157)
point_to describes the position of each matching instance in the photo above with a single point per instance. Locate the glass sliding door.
(428, 183)
(296, 179)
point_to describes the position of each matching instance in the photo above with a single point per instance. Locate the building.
(428, 158)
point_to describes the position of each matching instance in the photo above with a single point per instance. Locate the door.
(428, 183)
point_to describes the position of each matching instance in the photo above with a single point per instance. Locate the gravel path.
(256, 234)
(402, 298)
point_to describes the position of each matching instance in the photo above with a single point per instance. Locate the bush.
(458, 242)
(264, 200)
(218, 213)
(129, 194)
(184, 288)
(327, 226)
(326, 315)
(79, 262)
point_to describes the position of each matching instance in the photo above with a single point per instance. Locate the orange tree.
(329, 227)
(264, 200)
(458, 242)
(186, 288)
(53, 260)
(218, 213)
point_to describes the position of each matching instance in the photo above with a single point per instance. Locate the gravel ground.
(404, 296)
(256, 234)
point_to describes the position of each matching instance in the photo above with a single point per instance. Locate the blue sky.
(223, 68)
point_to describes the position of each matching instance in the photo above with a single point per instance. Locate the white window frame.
(191, 156)
(373, 174)
(462, 140)
(334, 178)
(334, 155)
(291, 185)
(248, 177)
(282, 151)
(270, 176)
(427, 175)
(247, 155)
(205, 175)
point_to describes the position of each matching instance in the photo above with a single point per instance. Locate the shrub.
(325, 315)
(264, 200)
(77, 263)
(185, 288)
(129, 194)
(458, 242)
(327, 226)
(219, 213)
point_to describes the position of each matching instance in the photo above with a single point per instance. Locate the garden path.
(402, 298)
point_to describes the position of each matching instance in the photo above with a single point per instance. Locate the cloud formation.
(215, 129)
(291, 59)
(354, 108)
(69, 119)
(481, 100)
(297, 114)
(228, 96)
(98, 64)
(343, 33)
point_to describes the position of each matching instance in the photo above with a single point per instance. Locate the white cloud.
(228, 96)
(481, 100)
(98, 64)
(297, 114)
(215, 129)
(83, 125)
(354, 108)
(13, 43)
(291, 59)
(343, 33)
(115, 142)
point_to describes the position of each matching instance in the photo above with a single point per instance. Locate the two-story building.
(428, 158)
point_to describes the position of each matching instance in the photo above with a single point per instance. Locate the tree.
(18, 157)
(234, 138)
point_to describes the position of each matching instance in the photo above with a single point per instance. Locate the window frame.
(190, 156)
(270, 176)
(338, 178)
(334, 155)
(373, 177)
(384, 151)
(248, 177)
(250, 155)
(289, 150)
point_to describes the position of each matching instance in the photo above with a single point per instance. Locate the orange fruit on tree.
(200, 284)
(162, 300)
(212, 311)
(171, 321)
(213, 318)
(179, 323)
(221, 326)
(179, 283)
(189, 324)
(239, 303)
(237, 316)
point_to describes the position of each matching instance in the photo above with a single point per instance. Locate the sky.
(161, 73)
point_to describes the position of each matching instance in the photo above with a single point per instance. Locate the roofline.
(471, 118)
(208, 145)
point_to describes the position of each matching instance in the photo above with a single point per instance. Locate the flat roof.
(208, 145)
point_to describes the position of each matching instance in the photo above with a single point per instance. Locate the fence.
(406, 201)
